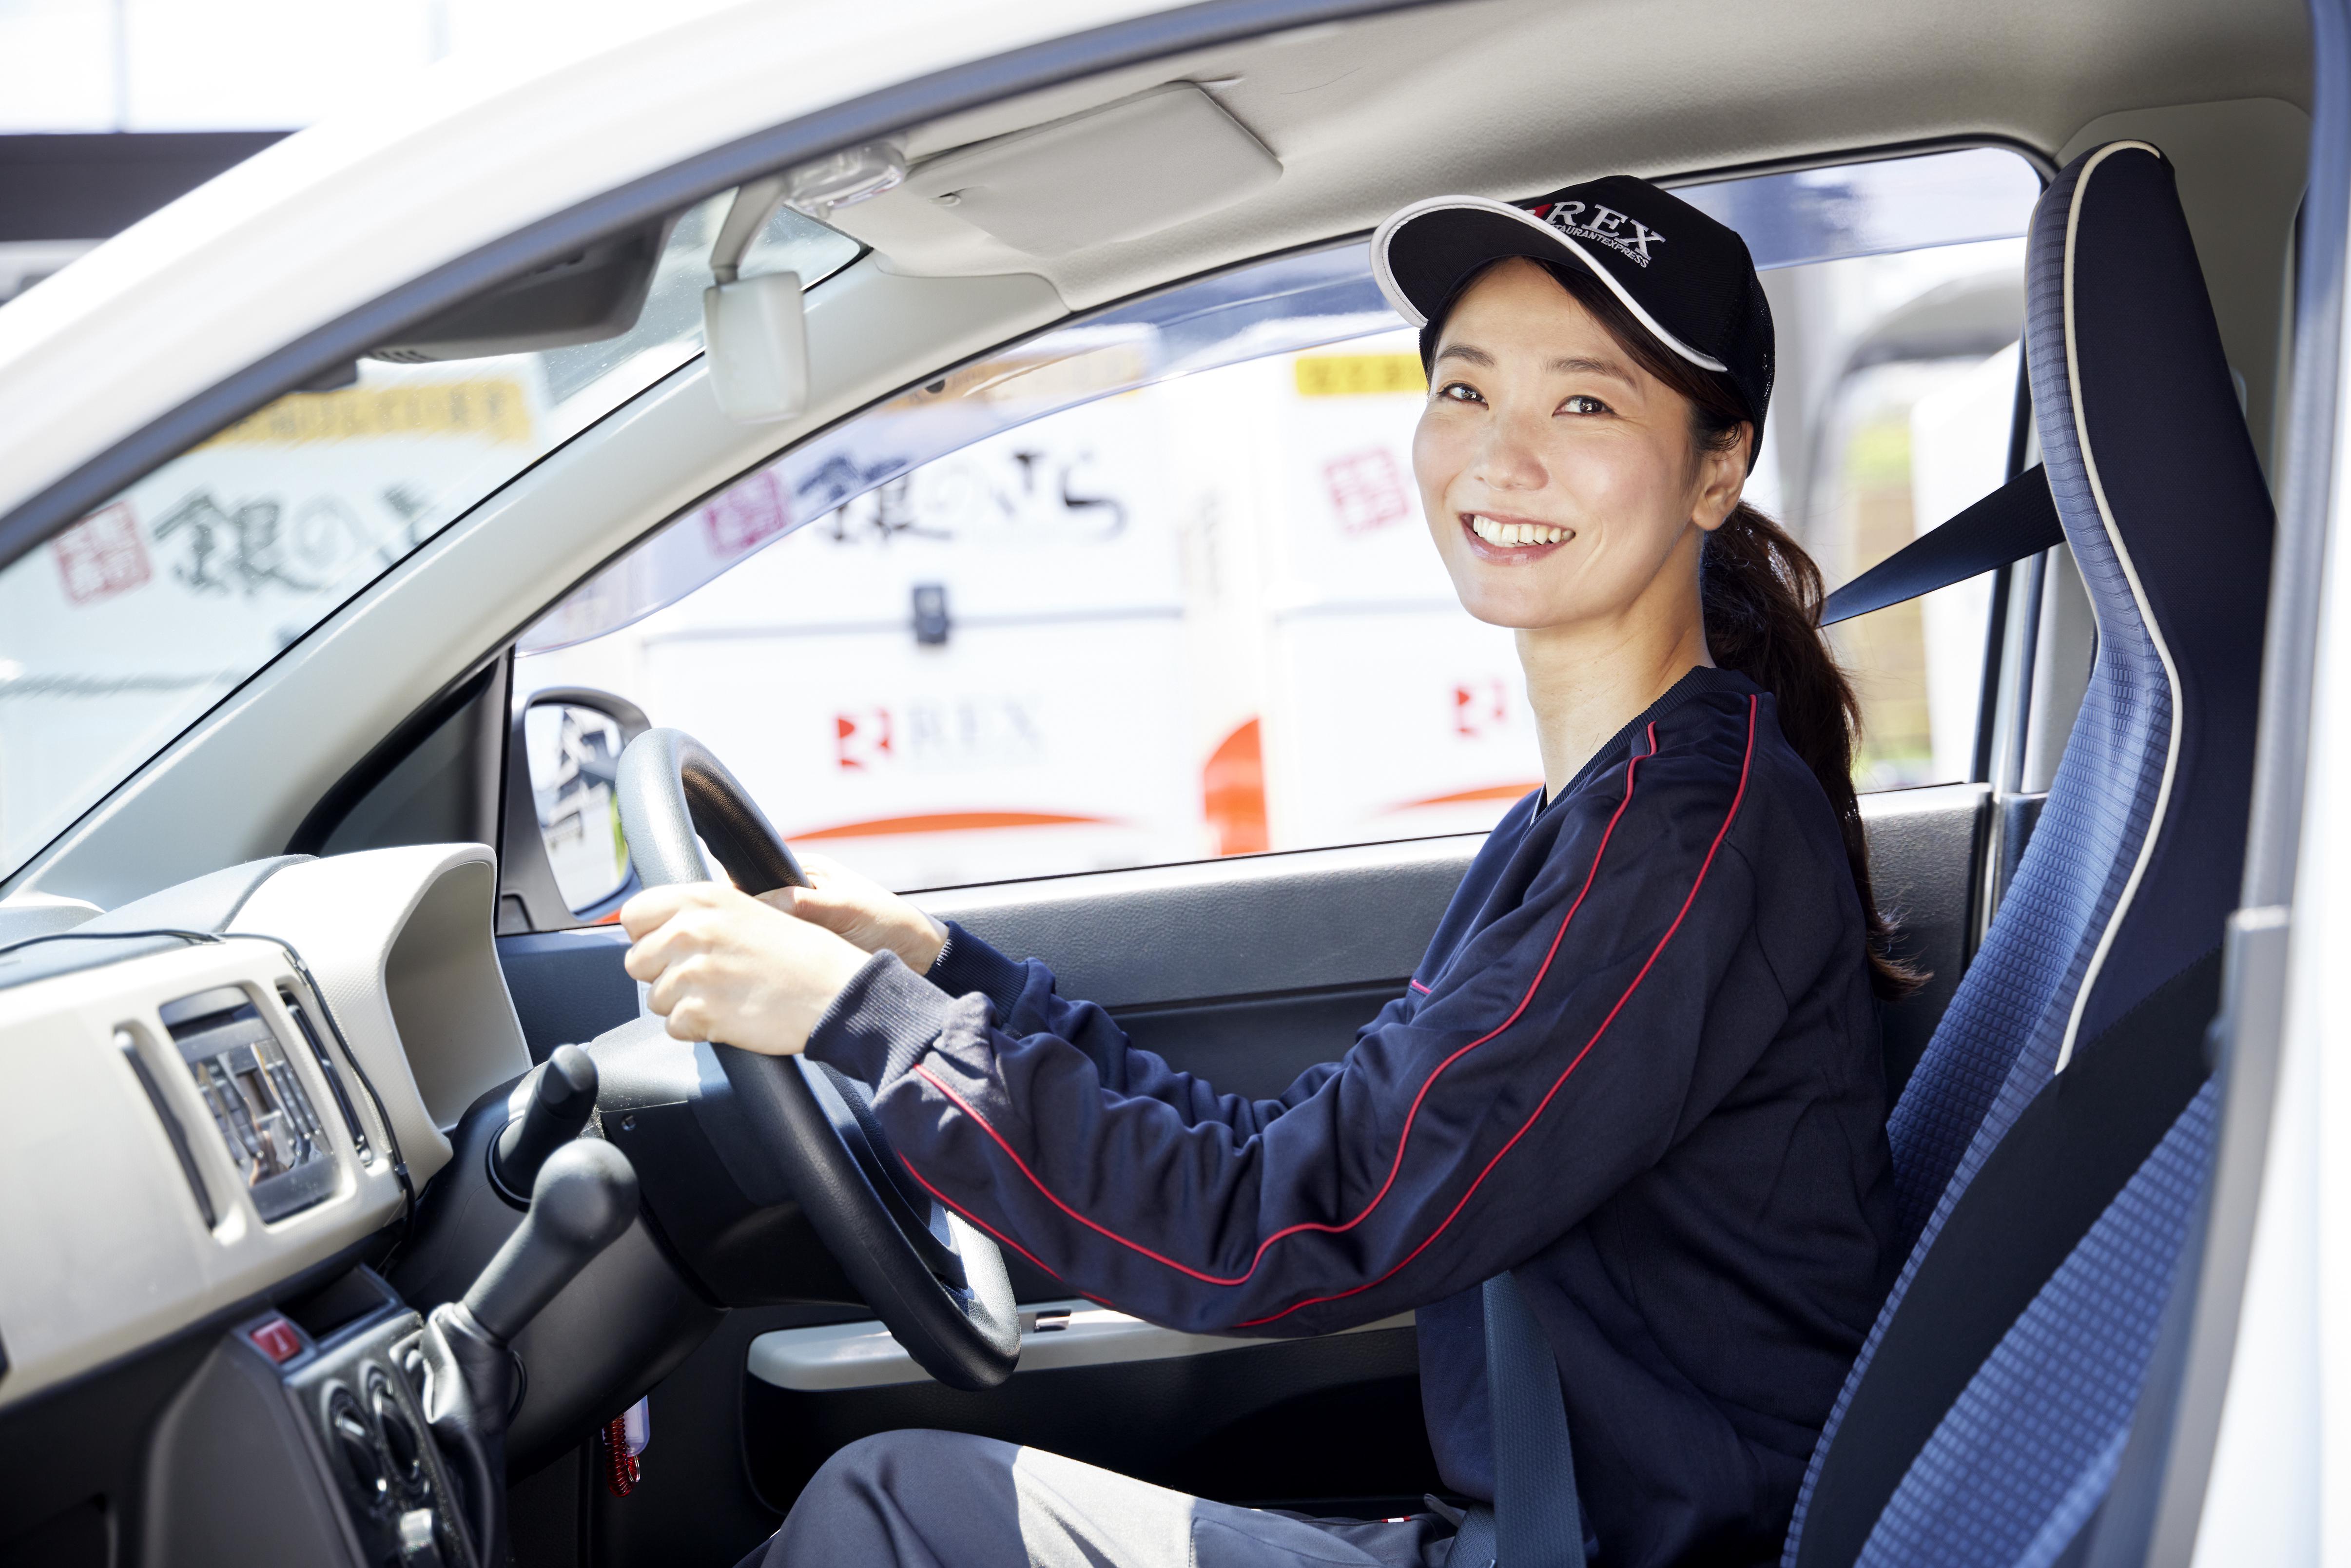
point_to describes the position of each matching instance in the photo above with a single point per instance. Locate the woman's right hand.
(868, 915)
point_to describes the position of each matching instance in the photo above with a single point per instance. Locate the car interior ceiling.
(1474, 98)
(1205, 965)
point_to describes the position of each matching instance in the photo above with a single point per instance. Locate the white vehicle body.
(338, 237)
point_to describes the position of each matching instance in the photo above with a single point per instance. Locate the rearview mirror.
(755, 334)
(754, 330)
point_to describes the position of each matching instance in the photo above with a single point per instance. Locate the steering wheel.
(937, 1282)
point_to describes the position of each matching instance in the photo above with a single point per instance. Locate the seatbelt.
(1535, 1520)
(2016, 520)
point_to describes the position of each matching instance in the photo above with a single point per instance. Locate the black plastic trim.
(2044, 164)
(318, 825)
(311, 1036)
(88, 1436)
(527, 886)
(2004, 590)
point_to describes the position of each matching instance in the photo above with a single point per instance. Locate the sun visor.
(1118, 172)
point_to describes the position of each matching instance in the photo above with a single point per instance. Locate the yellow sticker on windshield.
(1358, 375)
(490, 407)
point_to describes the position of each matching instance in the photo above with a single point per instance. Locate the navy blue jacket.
(1639, 1063)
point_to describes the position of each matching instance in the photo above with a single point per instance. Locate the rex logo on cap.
(1605, 225)
(1684, 277)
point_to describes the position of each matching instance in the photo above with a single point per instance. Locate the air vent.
(260, 1111)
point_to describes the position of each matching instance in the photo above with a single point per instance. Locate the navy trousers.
(944, 1500)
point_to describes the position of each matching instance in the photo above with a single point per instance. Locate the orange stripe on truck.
(952, 822)
(1470, 797)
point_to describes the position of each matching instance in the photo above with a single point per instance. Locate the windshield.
(125, 628)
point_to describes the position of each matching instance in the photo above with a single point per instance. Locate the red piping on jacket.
(1706, 866)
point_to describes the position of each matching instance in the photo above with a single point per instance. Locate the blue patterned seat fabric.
(2021, 1462)
(2119, 903)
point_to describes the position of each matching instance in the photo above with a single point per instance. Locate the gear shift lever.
(585, 1196)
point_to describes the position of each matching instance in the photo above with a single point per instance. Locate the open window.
(1154, 586)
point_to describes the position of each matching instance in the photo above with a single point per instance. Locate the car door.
(1139, 662)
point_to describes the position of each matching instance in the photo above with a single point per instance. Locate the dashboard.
(226, 1096)
(259, 1124)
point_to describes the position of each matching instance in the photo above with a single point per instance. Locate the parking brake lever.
(562, 1098)
(584, 1197)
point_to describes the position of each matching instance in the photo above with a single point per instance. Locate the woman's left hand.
(725, 967)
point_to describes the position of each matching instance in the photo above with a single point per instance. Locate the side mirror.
(561, 860)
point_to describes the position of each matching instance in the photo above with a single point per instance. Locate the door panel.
(1258, 1045)
(1263, 924)
(1330, 1425)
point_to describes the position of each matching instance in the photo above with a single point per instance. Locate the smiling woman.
(1582, 468)
(1549, 439)
(1656, 972)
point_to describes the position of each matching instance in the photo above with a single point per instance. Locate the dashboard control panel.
(264, 1116)
(360, 1389)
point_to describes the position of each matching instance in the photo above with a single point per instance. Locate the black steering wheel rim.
(938, 1283)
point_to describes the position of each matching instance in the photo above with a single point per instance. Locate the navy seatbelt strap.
(2015, 521)
(1535, 1522)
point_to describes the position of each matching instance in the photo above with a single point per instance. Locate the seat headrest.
(2170, 520)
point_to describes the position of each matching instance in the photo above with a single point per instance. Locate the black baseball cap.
(1685, 278)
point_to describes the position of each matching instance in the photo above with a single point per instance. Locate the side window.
(1915, 428)
(1200, 617)
(1157, 587)
(1897, 294)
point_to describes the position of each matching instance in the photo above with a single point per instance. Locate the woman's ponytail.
(1762, 596)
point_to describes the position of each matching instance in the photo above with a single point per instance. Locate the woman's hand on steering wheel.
(864, 913)
(725, 967)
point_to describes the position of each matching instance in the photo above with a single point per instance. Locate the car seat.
(2051, 1146)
